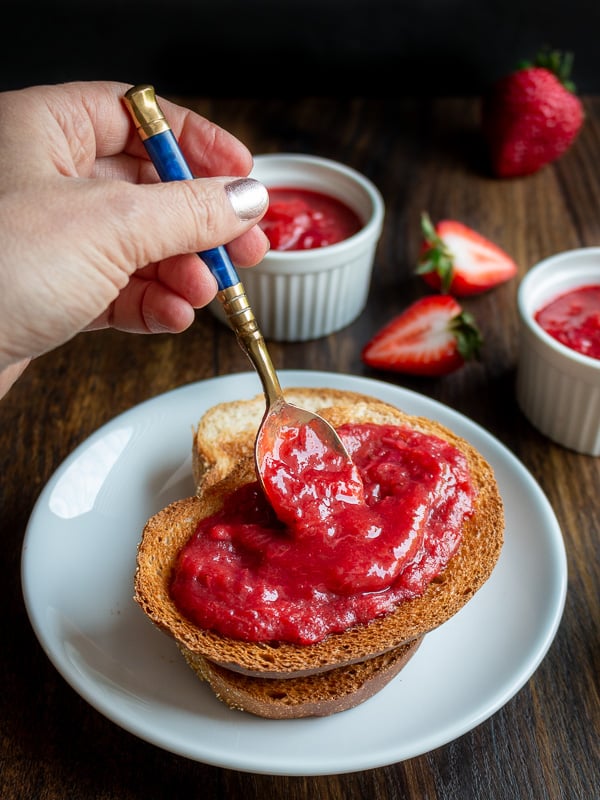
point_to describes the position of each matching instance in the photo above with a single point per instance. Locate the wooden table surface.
(423, 155)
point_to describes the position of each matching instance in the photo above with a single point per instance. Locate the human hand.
(90, 236)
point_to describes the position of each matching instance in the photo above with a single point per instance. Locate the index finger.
(207, 146)
(209, 149)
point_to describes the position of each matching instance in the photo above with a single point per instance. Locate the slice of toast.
(318, 695)
(223, 445)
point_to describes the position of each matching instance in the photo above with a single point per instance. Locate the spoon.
(282, 420)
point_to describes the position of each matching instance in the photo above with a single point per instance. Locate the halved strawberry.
(433, 336)
(455, 258)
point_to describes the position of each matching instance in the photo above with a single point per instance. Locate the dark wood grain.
(423, 155)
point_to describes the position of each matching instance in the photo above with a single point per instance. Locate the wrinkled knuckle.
(122, 216)
(202, 211)
(132, 213)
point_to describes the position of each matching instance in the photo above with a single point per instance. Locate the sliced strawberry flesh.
(433, 336)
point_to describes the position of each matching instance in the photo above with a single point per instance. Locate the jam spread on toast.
(303, 219)
(336, 546)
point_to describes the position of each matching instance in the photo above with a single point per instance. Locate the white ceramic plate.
(77, 570)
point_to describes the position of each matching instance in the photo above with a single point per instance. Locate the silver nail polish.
(248, 197)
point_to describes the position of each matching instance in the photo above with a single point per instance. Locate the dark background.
(306, 47)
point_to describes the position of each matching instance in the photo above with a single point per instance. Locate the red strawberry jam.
(332, 549)
(573, 319)
(303, 219)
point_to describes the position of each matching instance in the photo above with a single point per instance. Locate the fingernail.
(248, 197)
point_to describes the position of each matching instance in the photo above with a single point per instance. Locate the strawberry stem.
(437, 258)
(468, 337)
(554, 61)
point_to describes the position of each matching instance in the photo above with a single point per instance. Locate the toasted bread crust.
(166, 532)
(319, 695)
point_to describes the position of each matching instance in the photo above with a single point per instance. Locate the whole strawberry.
(532, 116)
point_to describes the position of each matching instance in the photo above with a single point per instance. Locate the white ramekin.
(558, 389)
(297, 295)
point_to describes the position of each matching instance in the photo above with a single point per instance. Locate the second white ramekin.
(558, 389)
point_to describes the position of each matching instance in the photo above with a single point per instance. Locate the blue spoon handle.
(165, 153)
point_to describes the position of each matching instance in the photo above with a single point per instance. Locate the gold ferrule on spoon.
(242, 320)
(146, 113)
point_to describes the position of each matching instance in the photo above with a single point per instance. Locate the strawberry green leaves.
(435, 258)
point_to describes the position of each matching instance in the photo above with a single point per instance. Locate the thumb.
(188, 216)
